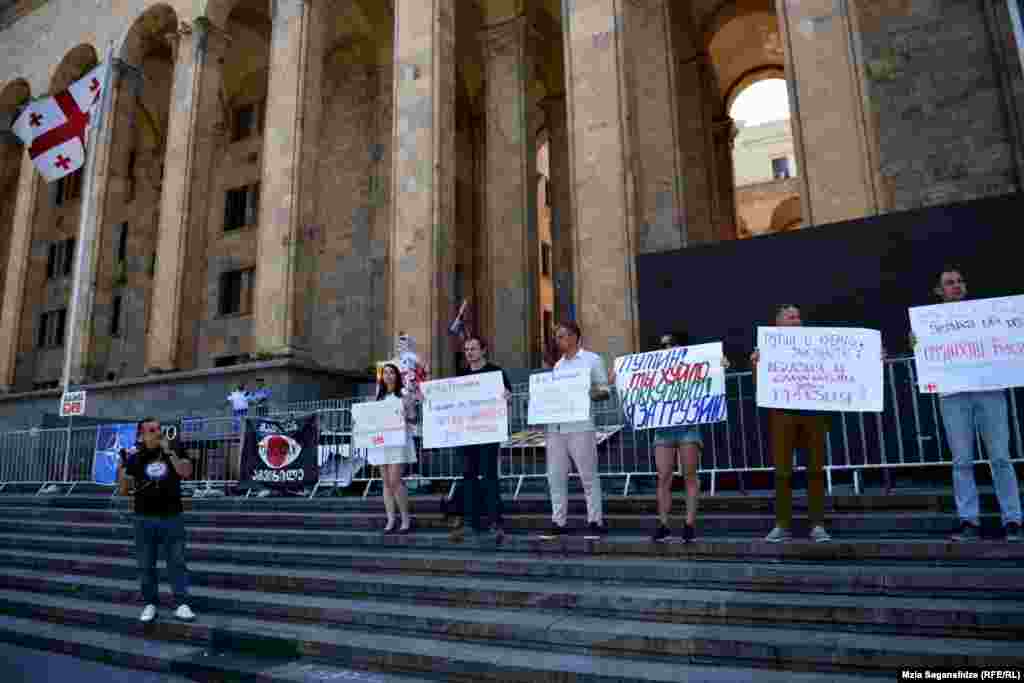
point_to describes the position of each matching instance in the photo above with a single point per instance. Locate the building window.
(242, 207)
(51, 329)
(122, 243)
(67, 188)
(115, 317)
(227, 361)
(236, 292)
(549, 325)
(246, 123)
(60, 259)
(547, 192)
(780, 168)
(545, 259)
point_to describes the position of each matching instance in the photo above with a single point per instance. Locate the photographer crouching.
(156, 473)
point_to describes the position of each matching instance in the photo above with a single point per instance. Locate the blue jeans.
(986, 411)
(150, 534)
(678, 436)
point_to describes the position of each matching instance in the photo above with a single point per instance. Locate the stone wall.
(935, 93)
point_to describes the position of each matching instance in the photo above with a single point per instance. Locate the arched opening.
(51, 263)
(348, 287)
(220, 289)
(129, 227)
(764, 155)
(746, 50)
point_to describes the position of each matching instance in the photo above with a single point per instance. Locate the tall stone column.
(563, 235)
(191, 128)
(423, 178)
(16, 271)
(287, 202)
(830, 127)
(510, 231)
(602, 202)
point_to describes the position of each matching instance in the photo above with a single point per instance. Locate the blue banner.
(110, 439)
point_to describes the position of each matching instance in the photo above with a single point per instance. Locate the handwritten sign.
(72, 403)
(820, 368)
(377, 424)
(463, 411)
(969, 345)
(674, 387)
(559, 397)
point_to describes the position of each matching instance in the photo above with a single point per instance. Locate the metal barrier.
(908, 433)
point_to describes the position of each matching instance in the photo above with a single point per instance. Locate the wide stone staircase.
(290, 589)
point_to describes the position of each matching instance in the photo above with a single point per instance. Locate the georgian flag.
(54, 128)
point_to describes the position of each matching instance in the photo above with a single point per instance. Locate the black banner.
(280, 454)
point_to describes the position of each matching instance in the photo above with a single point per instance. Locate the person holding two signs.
(390, 459)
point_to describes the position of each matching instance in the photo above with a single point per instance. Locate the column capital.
(510, 38)
(207, 36)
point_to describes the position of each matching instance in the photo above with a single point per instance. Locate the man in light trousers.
(576, 440)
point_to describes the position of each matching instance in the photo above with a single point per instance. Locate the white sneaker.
(263, 494)
(52, 488)
(148, 614)
(184, 613)
(819, 535)
(779, 535)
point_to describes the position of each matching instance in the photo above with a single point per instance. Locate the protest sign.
(280, 453)
(559, 397)
(463, 411)
(378, 424)
(820, 368)
(673, 387)
(969, 345)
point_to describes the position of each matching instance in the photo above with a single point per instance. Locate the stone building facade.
(307, 178)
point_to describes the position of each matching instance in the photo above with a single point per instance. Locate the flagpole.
(86, 235)
(87, 223)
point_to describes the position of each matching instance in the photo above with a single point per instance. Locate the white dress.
(393, 455)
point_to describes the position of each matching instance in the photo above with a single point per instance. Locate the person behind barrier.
(156, 474)
(576, 440)
(390, 459)
(672, 445)
(984, 411)
(481, 459)
(790, 429)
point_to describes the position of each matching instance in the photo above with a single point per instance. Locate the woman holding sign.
(391, 459)
(672, 445)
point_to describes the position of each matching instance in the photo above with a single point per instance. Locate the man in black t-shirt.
(481, 459)
(157, 474)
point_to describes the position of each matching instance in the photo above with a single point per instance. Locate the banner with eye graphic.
(280, 454)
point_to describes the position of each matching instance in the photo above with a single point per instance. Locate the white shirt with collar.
(583, 360)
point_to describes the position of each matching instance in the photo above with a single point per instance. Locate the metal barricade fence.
(908, 433)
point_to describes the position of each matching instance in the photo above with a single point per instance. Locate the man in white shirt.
(576, 439)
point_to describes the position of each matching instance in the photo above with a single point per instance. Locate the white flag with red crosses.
(54, 128)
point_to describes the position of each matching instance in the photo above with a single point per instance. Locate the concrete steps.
(302, 584)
